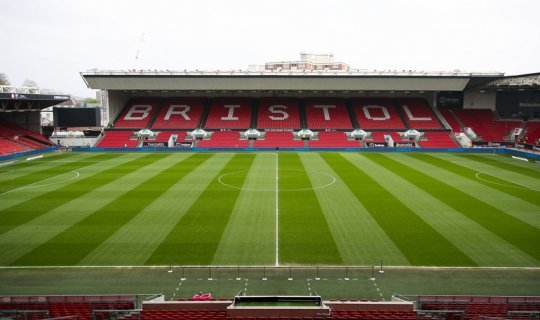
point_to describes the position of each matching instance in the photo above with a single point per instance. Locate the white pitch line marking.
(262, 266)
(331, 181)
(501, 184)
(33, 185)
(277, 209)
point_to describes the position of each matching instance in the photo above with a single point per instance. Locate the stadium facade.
(459, 109)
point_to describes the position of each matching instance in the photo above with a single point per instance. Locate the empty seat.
(327, 114)
(224, 139)
(115, 139)
(377, 113)
(451, 119)
(484, 124)
(418, 114)
(229, 113)
(438, 140)
(179, 113)
(279, 139)
(137, 113)
(277, 113)
(333, 140)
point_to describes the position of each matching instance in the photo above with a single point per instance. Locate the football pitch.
(270, 209)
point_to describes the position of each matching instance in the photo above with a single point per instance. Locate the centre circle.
(287, 180)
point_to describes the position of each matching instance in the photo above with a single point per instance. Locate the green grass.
(135, 209)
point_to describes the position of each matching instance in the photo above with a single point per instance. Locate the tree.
(29, 83)
(4, 80)
(91, 100)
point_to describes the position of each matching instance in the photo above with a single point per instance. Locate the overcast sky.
(51, 41)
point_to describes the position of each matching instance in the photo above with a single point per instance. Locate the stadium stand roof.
(518, 82)
(287, 81)
(13, 99)
(17, 102)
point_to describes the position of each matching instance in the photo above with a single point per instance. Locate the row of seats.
(333, 140)
(221, 315)
(277, 113)
(8, 147)
(82, 310)
(320, 114)
(15, 139)
(451, 119)
(374, 315)
(279, 139)
(476, 311)
(8, 129)
(282, 139)
(115, 139)
(483, 123)
(89, 310)
(533, 132)
(224, 139)
(438, 140)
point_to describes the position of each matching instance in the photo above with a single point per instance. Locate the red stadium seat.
(419, 114)
(118, 139)
(137, 113)
(164, 136)
(225, 139)
(378, 136)
(533, 132)
(279, 139)
(229, 113)
(438, 140)
(8, 147)
(333, 140)
(278, 114)
(451, 119)
(179, 113)
(15, 139)
(377, 113)
(327, 114)
(483, 123)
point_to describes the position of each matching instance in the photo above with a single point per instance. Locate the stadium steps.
(399, 111)
(302, 114)
(254, 114)
(453, 122)
(439, 116)
(352, 116)
(458, 120)
(204, 116)
(456, 140)
(156, 114)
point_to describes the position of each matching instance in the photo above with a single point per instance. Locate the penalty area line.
(35, 185)
(277, 210)
(339, 267)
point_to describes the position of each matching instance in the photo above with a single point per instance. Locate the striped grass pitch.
(328, 208)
